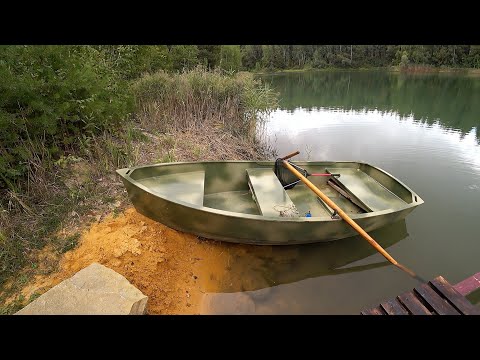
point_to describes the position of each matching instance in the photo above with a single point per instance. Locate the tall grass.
(199, 98)
(56, 194)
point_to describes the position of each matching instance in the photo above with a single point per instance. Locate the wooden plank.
(377, 310)
(393, 307)
(413, 305)
(468, 285)
(440, 305)
(454, 297)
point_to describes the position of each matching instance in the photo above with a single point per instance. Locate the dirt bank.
(180, 273)
(172, 268)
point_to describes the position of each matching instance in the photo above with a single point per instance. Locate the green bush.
(50, 95)
(131, 61)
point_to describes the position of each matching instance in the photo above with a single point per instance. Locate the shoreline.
(393, 69)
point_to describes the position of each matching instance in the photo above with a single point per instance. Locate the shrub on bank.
(49, 96)
(235, 102)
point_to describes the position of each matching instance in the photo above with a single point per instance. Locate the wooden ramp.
(437, 297)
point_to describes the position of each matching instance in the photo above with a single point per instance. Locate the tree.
(404, 59)
(267, 57)
(209, 55)
(152, 58)
(183, 56)
(318, 59)
(419, 55)
(230, 57)
(473, 58)
(298, 55)
(251, 56)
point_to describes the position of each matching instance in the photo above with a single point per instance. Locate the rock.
(94, 290)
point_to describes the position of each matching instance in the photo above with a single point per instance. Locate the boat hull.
(250, 228)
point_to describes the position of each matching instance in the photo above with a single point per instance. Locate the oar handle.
(291, 155)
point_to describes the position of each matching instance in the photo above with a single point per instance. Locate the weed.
(70, 242)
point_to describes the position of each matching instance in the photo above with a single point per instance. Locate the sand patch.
(177, 271)
(172, 268)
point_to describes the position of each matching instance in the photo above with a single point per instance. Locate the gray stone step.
(94, 290)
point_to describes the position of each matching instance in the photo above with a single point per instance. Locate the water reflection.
(450, 100)
(254, 267)
(255, 272)
(372, 136)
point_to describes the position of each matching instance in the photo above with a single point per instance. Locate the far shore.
(394, 69)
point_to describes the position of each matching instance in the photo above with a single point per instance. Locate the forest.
(357, 56)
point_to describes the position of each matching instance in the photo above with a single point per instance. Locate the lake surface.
(424, 130)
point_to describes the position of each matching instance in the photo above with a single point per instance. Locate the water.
(424, 130)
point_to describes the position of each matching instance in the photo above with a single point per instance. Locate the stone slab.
(94, 290)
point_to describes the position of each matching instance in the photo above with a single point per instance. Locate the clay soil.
(172, 268)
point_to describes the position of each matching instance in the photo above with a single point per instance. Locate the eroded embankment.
(172, 268)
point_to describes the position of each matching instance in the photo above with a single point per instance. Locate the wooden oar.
(291, 155)
(347, 218)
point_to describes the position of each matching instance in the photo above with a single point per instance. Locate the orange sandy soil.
(172, 268)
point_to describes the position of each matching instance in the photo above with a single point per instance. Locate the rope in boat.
(288, 210)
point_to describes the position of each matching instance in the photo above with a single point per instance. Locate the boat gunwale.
(123, 173)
